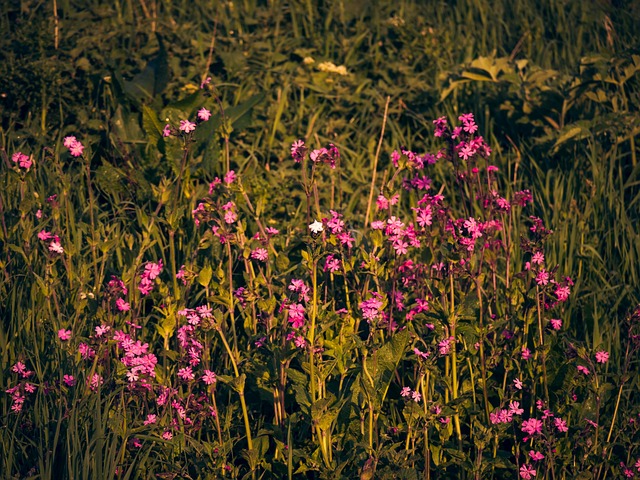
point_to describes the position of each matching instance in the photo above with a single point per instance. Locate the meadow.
(333, 239)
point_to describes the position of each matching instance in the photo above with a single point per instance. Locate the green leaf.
(204, 277)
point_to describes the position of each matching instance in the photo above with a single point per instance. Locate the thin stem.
(375, 163)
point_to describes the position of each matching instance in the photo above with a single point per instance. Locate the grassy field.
(269, 350)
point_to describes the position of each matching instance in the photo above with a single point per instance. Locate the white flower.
(316, 227)
(56, 247)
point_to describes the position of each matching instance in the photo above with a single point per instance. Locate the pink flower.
(204, 114)
(517, 383)
(166, 131)
(416, 396)
(186, 374)
(151, 419)
(556, 323)
(64, 335)
(542, 278)
(560, 424)
(514, 408)
(526, 353)
(186, 126)
(536, 456)
(260, 254)
(167, 435)
(209, 377)
(298, 151)
(55, 247)
(69, 380)
(95, 382)
(22, 160)
(583, 369)
(602, 356)
(527, 472)
(101, 330)
(532, 426)
(230, 177)
(405, 392)
(75, 147)
(122, 305)
(444, 347)
(538, 258)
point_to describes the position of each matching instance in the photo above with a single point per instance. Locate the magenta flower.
(186, 374)
(151, 419)
(186, 126)
(22, 160)
(204, 114)
(583, 369)
(527, 472)
(526, 353)
(209, 377)
(166, 131)
(122, 305)
(542, 278)
(556, 323)
(69, 380)
(532, 426)
(535, 456)
(260, 254)
(64, 335)
(560, 424)
(298, 151)
(602, 356)
(230, 177)
(75, 147)
(517, 383)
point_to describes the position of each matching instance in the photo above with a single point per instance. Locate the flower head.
(316, 227)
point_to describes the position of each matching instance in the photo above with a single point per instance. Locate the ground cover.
(269, 240)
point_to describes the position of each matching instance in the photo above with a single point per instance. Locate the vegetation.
(268, 239)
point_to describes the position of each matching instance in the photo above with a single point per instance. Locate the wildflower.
(331, 264)
(538, 258)
(532, 426)
(514, 408)
(167, 435)
(102, 329)
(186, 126)
(69, 380)
(95, 382)
(75, 147)
(209, 377)
(563, 292)
(204, 114)
(64, 335)
(22, 160)
(602, 356)
(55, 247)
(299, 341)
(260, 254)
(186, 374)
(230, 177)
(527, 472)
(405, 392)
(583, 369)
(560, 424)
(556, 323)
(166, 131)
(423, 355)
(526, 353)
(86, 351)
(122, 305)
(151, 419)
(296, 315)
(517, 383)
(444, 347)
(298, 151)
(316, 227)
(416, 396)
(543, 277)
